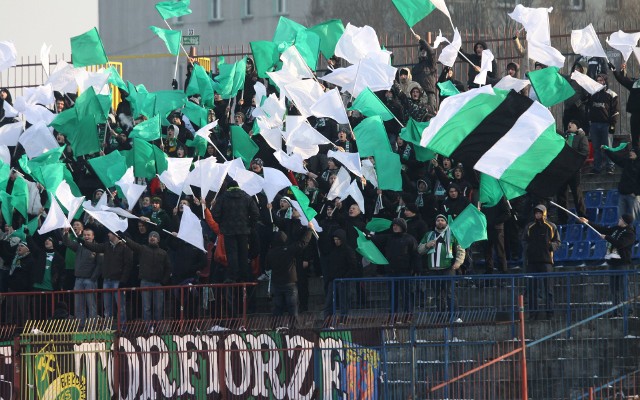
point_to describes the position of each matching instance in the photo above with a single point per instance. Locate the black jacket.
(401, 250)
(154, 262)
(40, 256)
(236, 212)
(542, 240)
(630, 178)
(281, 258)
(341, 261)
(117, 262)
(633, 102)
(621, 239)
(425, 72)
(603, 107)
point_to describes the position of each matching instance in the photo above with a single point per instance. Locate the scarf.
(435, 235)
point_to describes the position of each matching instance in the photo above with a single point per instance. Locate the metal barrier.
(625, 387)
(139, 308)
(566, 297)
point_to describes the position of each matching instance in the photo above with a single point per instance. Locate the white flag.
(586, 82)
(5, 154)
(274, 181)
(101, 205)
(586, 42)
(292, 162)
(175, 174)
(294, 64)
(190, 229)
(37, 140)
(63, 78)
(355, 43)
(8, 55)
(545, 54)
(330, 105)
(369, 172)
(44, 58)
(130, 189)
(273, 137)
(205, 133)
(55, 219)
(110, 220)
(485, 67)
(98, 80)
(34, 113)
(510, 83)
(535, 21)
(624, 42)
(356, 194)
(250, 182)
(261, 94)
(449, 54)
(342, 77)
(304, 94)
(351, 161)
(439, 40)
(636, 52)
(305, 136)
(10, 133)
(42, 94)
(440, 5)
(207, 175)
(273, 110)
(9, 111)
(373, 75)
(340, 187)
(68, 200)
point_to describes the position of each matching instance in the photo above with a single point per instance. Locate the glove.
(612, 129)
(174, 84)
(611, 66)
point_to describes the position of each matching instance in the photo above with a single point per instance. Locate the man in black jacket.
(633, 102)
(341, 263)
(621, 238)
(542, 239)
(282, 260)
(629, 185)
(237, 214)
(425, 72)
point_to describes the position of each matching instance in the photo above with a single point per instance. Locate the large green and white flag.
(504, 135)
(413, 11)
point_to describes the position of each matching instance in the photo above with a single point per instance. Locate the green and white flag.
(413, 11)
(505, 135)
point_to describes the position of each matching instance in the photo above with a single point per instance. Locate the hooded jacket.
(281, 258)
(400, 249)
(542, 239)
(477, 61)
(630, 178)
(425, 72)
(154, 262)
(603, 107)
(622, 240)
(633, 86)
(236, 212)
(341, 260)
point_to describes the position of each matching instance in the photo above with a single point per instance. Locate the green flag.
(369, 250)
(620, 147)
(308, 45)
(447, 89)
(200, 144)
(33, 167)
(148, 160)
(470, 226)
(90, 104)
(170, 38)
(412, 134)
(195, 113)
(66, 122)
(266, 57)
(115, 78)
(492, 190)
(388, 169)
(287, 30)
(550, 87)
(85, 140)
(52, 175)
(303, 201)
(370, 105)
(5, 171)
(20, 196)
(32, 226)
(109, 168)
(148, 130)
(231, 78)
(87, 49)
(329, 32)
(412, 11)
(371, 136)
(200, 83)
(167, 101)
(173, 9)
(378, 225)
(6, 207)
(242, 144)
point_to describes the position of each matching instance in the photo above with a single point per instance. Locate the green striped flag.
(170, 38)
(87, 49)
(550, 87)
(492, 190)
(505, 135)
(412, 134)
(370, 105)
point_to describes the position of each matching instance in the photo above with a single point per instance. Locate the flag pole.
(574, 215)
(181, 46)
(465, 57)
(218, 150)
(175, 71)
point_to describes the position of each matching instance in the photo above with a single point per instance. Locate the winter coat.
(282, 258)
(542, 240)
(401, 250)
(603, 107)
(341, 260)
(425, 72)
(633, 86)
(621, 239)
(87, 264)
(630, 178)
(117, 262)
(154, 262)
(40, 256)
(236, 212)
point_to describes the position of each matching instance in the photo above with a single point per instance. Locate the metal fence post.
(523, 352)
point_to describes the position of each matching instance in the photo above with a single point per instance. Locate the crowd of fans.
(250, 239)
